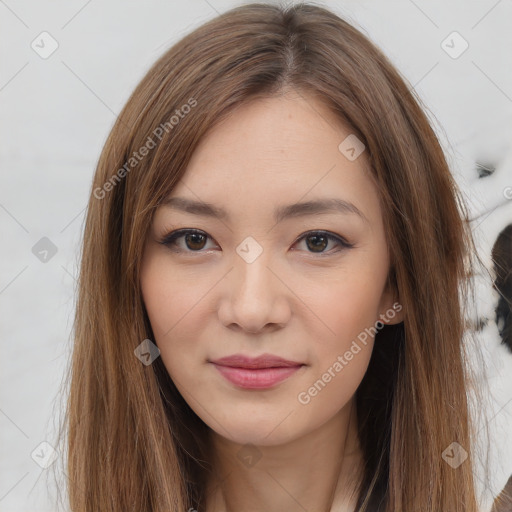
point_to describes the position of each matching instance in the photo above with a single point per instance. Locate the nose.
(254, 297)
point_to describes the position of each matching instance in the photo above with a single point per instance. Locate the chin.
(260, 438)
(263, 432)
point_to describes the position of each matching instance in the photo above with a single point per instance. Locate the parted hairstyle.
(133, 443)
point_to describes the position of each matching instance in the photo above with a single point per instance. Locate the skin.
(205, 301)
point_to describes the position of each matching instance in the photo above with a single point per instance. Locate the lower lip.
(260, 378)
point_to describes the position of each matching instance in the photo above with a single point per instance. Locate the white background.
(57, 112)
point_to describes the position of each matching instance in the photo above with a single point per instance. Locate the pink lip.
(256, 373)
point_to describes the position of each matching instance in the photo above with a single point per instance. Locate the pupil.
(316, 245)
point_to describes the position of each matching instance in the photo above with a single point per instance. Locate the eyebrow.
(314, 207)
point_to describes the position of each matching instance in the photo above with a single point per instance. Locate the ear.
(391, 310)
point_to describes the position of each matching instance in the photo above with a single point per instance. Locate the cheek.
(177, 306)
(170, 299)
(346, 302)
(347, 306)
(167, 312)
(341, 354)
(335, 381)
(345, 348)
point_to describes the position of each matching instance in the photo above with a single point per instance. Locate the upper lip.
(262, 361)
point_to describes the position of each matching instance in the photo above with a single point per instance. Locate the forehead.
(275, 151)
(292, 127)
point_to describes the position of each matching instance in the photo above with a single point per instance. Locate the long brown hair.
(133, 443)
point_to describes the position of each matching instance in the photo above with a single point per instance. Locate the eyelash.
(170, 239)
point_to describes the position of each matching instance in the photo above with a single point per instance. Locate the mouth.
(262, 372)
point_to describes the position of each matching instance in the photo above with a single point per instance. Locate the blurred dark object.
(503, 503)
(502, 259)
(485, 170)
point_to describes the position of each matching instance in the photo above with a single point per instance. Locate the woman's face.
(260, 279)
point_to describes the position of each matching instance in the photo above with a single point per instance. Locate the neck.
(318, 471)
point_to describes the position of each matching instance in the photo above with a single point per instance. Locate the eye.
(317, 241)
(195, 240)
